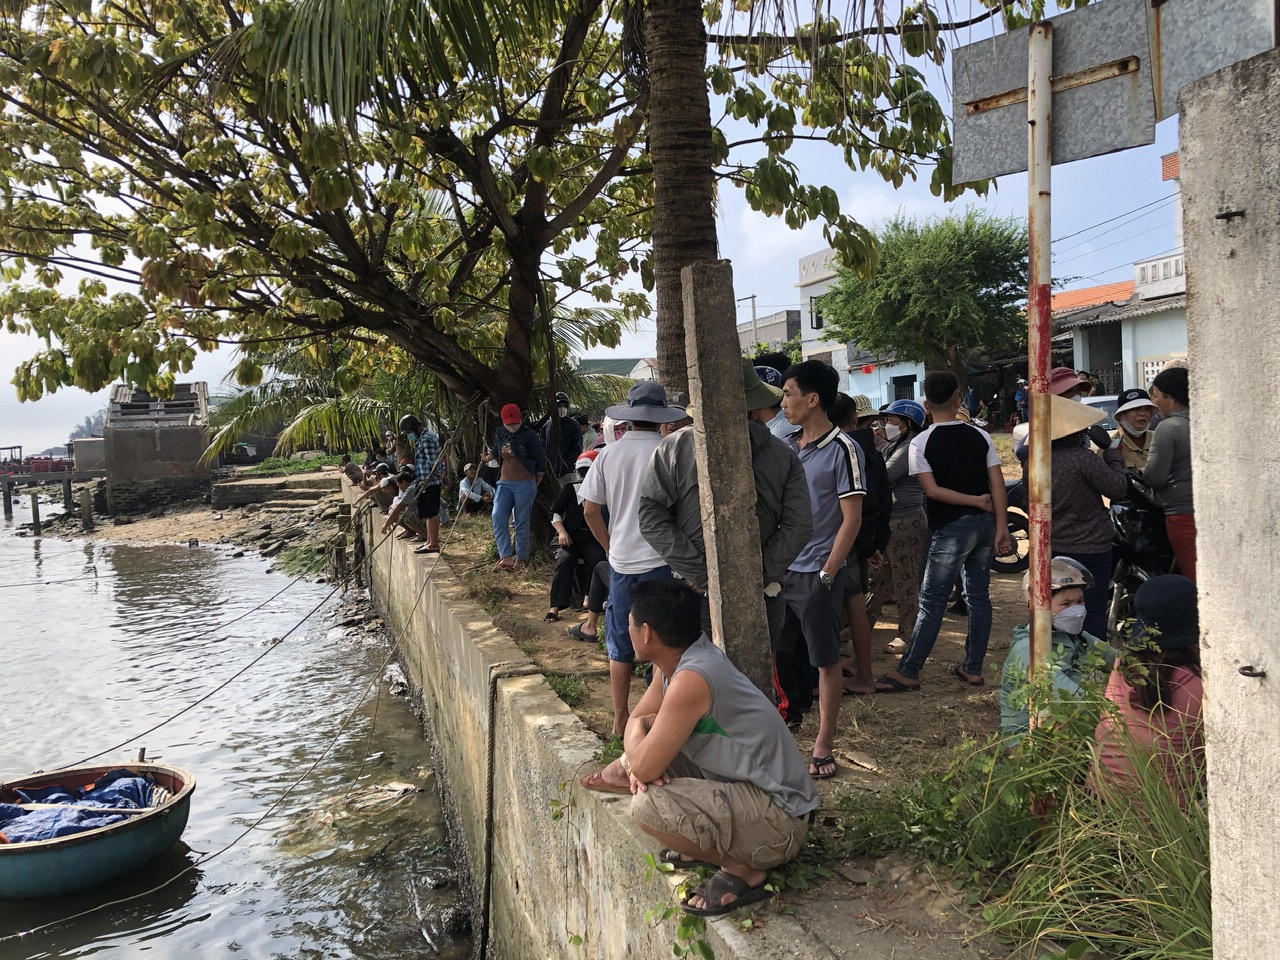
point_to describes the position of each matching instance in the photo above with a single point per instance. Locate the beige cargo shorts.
(736, 819)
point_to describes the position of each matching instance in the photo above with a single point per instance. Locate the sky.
(765, 253)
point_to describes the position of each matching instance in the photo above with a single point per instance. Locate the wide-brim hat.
(759, 395)
(1133, 400)
(1068, 417)
(863, 407)
(1166, 613)
(1062, 379)
(646, 403)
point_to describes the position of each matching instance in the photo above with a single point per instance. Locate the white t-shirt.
(614, 480)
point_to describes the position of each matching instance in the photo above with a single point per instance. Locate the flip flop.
(596, 781)
(817, 763)
(960, 675)
(713, 892)
(673, 857)
(551, 617)
(426, 549)
(577, 633)
(894, 685)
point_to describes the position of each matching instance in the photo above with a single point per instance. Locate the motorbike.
(1140, 550)
(1017, 561)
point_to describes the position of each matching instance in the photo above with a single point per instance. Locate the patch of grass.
(569, 687)
(300, 560)
(283, 466)
(1003, 442)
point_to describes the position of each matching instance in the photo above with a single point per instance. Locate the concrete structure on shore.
(512, 752)
(152, 447)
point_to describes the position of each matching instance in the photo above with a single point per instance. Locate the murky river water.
(125, 637)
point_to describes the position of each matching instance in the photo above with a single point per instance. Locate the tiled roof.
(1169, 166)
(1142, 308)
(1088, 296)
(616, 368)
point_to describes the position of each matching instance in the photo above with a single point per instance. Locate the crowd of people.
(857, 508)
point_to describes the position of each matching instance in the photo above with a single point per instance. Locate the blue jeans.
(963, 548)
(617, 611)
(513, 497)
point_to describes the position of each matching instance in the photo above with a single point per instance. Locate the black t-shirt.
(958, 455)
(569, 508)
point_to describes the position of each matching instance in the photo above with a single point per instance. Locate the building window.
(1177, 267)
(815, 315)
(1166, 270)
(1142, 274)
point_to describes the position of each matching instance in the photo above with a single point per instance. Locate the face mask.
(562, 411)
(1071, 620)
(413, 438)
(891, 432)
(1130, 429)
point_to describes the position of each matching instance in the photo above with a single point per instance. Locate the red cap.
(511, 415)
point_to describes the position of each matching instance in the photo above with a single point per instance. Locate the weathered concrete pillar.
(86, 508)
(35, 514)
(727, 486)
(68, 502)
(1230, 158)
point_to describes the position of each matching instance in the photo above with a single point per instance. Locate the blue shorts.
(617, 611)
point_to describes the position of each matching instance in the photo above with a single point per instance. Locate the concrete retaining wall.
(549, 880)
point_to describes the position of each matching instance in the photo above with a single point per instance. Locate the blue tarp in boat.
(118, 789)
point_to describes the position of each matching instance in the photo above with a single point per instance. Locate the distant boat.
(47, 868)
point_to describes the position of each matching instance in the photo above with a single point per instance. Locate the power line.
(1159, 226)
(1118, 226)
(1115, 218)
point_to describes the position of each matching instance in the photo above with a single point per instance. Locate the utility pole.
(755, 333)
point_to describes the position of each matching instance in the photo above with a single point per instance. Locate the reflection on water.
(354, 863)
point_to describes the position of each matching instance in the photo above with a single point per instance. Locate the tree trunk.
(684, 224)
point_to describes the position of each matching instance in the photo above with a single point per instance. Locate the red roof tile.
(1091, 296)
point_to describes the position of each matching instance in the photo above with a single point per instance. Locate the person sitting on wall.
(1069, 646)
(404, 508)
(714, 774)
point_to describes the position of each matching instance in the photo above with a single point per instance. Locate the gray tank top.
(742, 736)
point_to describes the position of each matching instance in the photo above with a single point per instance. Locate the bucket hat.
(863, 407)
(1132, 400)
(647, 403)
(1062, 379)
(759, 394)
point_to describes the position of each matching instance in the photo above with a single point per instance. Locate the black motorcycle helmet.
(562, 399)
(409, 424)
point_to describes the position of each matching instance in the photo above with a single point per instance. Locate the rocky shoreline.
(300, 536)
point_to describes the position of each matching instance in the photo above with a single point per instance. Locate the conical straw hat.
(1071, 416)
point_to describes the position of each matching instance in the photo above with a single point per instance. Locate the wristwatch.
(827, 578)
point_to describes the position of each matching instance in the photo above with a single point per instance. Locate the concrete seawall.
(512, 752)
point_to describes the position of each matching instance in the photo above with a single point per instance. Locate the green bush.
(283, 466)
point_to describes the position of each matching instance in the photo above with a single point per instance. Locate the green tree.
(195, 213)
(946, 290)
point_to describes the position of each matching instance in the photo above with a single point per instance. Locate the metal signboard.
(1117, 67)
(1190, 39)
(1102, 92)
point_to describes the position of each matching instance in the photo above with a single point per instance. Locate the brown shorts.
(735, 819)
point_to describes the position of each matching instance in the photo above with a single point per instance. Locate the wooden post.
(35, 514)
(68, 502)
(86, 509)
(728, 496)
(8, 501)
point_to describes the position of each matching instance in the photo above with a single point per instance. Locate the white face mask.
(1071, 620)
(891, 432)
(1130, 429)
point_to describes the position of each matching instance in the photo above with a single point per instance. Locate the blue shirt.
(832, 466)
(428, 464)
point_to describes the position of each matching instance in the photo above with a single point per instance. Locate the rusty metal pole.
(1040, 495)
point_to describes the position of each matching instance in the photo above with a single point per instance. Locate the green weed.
(569, 687)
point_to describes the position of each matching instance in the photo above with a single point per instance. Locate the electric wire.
(1118, 216)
